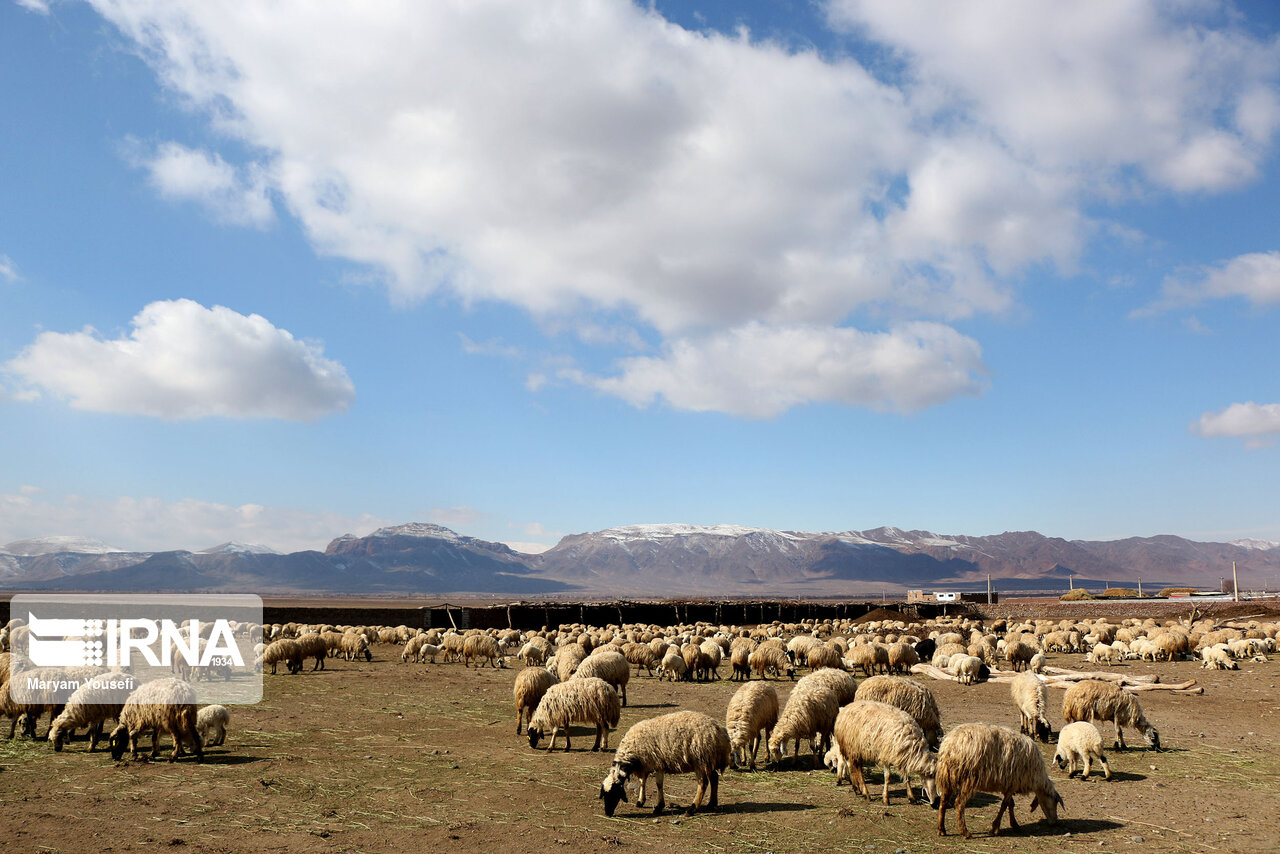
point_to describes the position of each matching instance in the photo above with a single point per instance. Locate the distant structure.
(990, 597)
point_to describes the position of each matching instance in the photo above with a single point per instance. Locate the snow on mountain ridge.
(1257, 545)
(670, 530)
(56, 545)
(418, 529)
(239, 548)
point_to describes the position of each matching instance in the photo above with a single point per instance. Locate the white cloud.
(182, 360)
(588, 161)
(152, 524)
(529, 548)
(39, 6)
(457, 518)
(8, 269)
(1255, 277)
(492, 347)
(1256, 423)
(188, 174)
(760, 371)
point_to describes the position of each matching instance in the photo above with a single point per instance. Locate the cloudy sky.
(278, 272)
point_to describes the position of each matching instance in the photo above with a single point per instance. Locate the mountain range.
(643, 560)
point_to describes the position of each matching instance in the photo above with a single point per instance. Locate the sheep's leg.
(888, 775)
(624, 695)
(555, 731)
(1088, 766)
(858, 782)
(644, 780)
(1120, 745)
(962, 799)
(600, 728)
(755, 748)
(715, 790)
(1106, 769)
(1005, 804)
(942, 811)
(662, 798)
(698, 796)
(519, 718)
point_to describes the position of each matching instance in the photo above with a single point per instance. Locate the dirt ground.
(388, 757)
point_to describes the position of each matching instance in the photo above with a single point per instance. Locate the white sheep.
(967, 668)
(880, 734)
(589, 700)
(91, 705)
(1031, 696)
(211, 723)
(984, 758)
(912, 697)
(609, 665)
(165, 705)
(530, 685)
(676, 743)
(1080, 743)
(810, 713)
(752, 709)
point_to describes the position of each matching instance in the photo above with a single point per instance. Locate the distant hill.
(641, 560)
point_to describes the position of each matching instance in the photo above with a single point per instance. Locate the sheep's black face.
(368, 656)
(534, 737)
(1044, 732)
(1153, 739)
(1060, 761)
(613, 790)
(118, 742)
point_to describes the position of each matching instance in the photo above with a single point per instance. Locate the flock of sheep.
(577, 674)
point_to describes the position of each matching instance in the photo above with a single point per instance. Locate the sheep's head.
(1044, 732)
(1048, 800)
(931, 791)
(614, 787)
(535, 735)
(119, 741)
(57, 736)
(1060, 759)
(1153, 738)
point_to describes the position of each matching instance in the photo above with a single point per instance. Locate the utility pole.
(988, 588)
(1139, 590)
(1235, 583)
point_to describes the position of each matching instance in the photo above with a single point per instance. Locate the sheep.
(740, 658)
(986, 758)
(1019, 653)
(967, 668)
(610, 666)
(1102, 654)
(482, 647)
(902, 656)
(213, 719)
(356, 646)
(532, 654)
(672, 667)
(1218, 657)
(842, 684)
(766, 658)
(589, 700)
(413, 649)
(1095, 700)
(530, 685)
(567, 659)
(1031, 696)
(1080, 743)
(676, 743)
(641, 655)
(91, 705)
(314, 645)
(165, 705)
(753, 707)
(824, 655)
(810, 713)
(711, 654)
(874, 732)
(285, 650)
(912, 697)
(1036, 665)
(26, 700)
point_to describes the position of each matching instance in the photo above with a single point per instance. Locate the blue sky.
(526, 269)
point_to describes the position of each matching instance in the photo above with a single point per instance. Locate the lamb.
(967, 668)
(677, 743)
(413, 649)
(589, 700)
(1218, 657)
(810, 714)
(482, 647)
(165, 705)
(531, 684)
(608, 665)
(213, 719)
(1031, 696)
(912, 697)
(869, 731)
(985, 758)
(1102, 654)
(753, 707)
(284, 650)
(1080, 743)
(766, 658)
(1036, 665)
(91, 705)
(1095, 700)
(672, 667)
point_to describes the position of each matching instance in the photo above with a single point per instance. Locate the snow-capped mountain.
(58, 545)
(673, 559)
(1260, 545)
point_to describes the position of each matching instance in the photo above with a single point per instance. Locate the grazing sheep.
(677, 743)
(766, 658)
(567, 659)
(356, 646)
(842, 684)
(672, 667)
(902, 656)
(531, 684)
(985, 758)
(1080, 743)
(1036, 665)
(211, 723)
(1019, 654)
(810, 713)
(482, 647)
(912, 697)
(752, 709)
(824, 655)
(1103, 654)
(608, 665)
(1031, 696)
(1095, 700)
(33, 702)
(740, 658)
(711, 654)
(314, 646)
(877, 733)
(1219, 658)
(165, 705)
(285, 650)
(967, 668)
(91, 705)
(590, 700)
(641, 655)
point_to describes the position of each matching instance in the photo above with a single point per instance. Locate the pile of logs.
(1058, 677)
